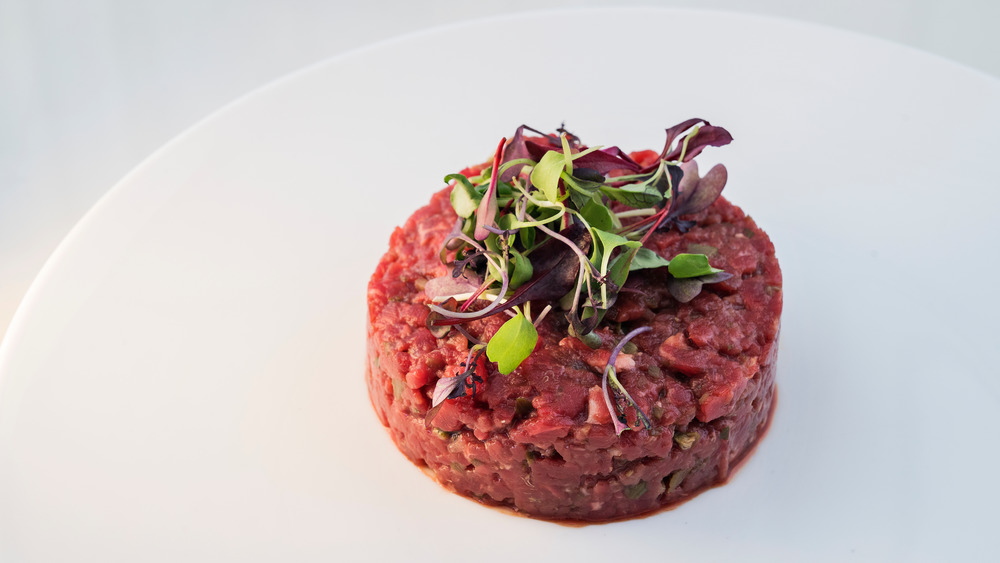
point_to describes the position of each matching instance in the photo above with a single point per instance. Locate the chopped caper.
(686, 440)
(635, 491)
(676, 478)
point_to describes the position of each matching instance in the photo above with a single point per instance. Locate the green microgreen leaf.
(584, 185)
(469, 227)
(464, 197)
(460, 178)
(690, 266)
(580, 191)
(609, 241)
(493, 243)
(527, 236)
(684, 290)
(620, 267)
(617, 275)
(522, 269)
(506, 222)
(494, 246)
(512, 344)
(522, 235)
(598, 216)
(647, 259)
(504, 192)
(634, 195)
(545, 174)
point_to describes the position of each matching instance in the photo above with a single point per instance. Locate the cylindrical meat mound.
(540, 440)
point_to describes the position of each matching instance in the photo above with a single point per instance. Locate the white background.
(88, 89)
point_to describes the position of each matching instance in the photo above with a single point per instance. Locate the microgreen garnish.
(486, 214)
(621, 396)
(553, 220)
(686, 289)
(463, 383)
(690, 266)
(512, 344)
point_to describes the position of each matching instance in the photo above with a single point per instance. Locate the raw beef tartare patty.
(540, 439)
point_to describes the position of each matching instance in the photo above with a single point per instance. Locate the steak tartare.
(691, 371)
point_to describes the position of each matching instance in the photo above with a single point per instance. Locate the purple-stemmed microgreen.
(558, 222)
(462, 383)
(447, 287)
(622, 397)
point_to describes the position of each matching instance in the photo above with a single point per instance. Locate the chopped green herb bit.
(635, 491)
(675, 479)
(647, 259)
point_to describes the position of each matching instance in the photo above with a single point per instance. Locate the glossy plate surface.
(185, 379)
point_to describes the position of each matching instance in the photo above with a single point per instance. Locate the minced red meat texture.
(540, 440)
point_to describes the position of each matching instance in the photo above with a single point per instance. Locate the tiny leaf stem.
(635, 213)
(475, 295)
(684, 147)
(542, 315)
(537, 202)
(581, 279)
(567, 152)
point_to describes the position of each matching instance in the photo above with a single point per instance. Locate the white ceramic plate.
(185, 379)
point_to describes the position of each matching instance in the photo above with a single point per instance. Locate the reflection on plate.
(185, 377)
